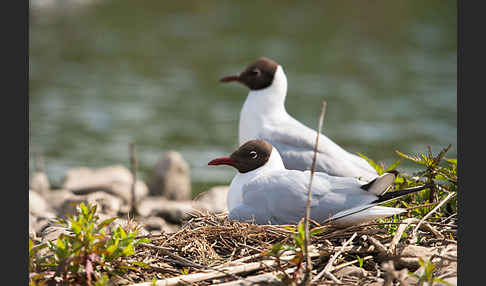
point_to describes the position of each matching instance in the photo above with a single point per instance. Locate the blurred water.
(111, 72)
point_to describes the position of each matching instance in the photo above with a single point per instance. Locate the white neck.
(235, 193)
(268, 103)
(271, 98)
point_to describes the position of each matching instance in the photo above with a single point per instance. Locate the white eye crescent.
(253, 154)
(255, 72)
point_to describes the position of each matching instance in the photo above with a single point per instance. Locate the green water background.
(108, 73)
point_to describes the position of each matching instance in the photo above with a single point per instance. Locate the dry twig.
(308, 272)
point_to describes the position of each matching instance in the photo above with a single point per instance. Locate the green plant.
(380, 167)
(436, 170)
(427, 275)
(84, 251)
(296, 248)
(360, 261)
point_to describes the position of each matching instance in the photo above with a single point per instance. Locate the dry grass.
(215, 246)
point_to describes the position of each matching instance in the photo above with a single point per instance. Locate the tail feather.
(372, 211)
(365, 214)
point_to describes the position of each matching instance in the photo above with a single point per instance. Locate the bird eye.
(255, 72)
(253, 154)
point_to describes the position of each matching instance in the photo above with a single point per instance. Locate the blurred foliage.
(427, 276)
(296, 248)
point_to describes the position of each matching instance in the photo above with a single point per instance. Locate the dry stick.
(186, 262)
(351, 263)
(133, 166)
(308, 272)
(328, 266)
(398, 234)
(202, 276)
(414, 232)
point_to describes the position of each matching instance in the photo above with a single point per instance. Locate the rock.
(115, 180)
(32, 232)
(409, 255)
(107, 204)
(214, 200)
(56, 199)
(172, 211)
(350, 270)
(40, 183)
(38, 205)
(155, 224)
(171, 178)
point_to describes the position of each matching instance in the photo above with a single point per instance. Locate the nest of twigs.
(210, 249)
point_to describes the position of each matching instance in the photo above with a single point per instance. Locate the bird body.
(265, 192)
(263, 116)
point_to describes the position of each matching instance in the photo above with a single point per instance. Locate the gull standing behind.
(264, 116)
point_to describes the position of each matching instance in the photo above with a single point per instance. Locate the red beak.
(223, 161)
(230, 78)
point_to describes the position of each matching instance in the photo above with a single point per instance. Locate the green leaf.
(128, 267)
(411, 158)
(143, 240)
(393, 166)
(76, 227)
(301, 229)
(123, 234)
(276, 248)
(360, 261)
(127, 251)
(31, 244)
(289, 228)
(376, 166)
(84, 209)
(141, 264)
(452, 161)
(316, 231)
(61, 244)
(105, 223)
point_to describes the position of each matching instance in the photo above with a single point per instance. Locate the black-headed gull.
(265, 192)
(264, 116)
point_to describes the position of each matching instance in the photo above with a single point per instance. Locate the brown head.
(258, 75)
(250, 156)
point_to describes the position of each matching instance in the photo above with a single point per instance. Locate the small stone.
(106, 204)
(408, 256)
(172, 211)
(39, 182)
(214, 200)
(155, 224)
(351, 270)
(115, 180)
(171, 178)
(38, 206)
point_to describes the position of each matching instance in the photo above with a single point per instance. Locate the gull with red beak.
(265, 192)
(264, 116)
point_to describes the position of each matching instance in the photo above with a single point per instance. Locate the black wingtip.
(394, 172)
(400, 193)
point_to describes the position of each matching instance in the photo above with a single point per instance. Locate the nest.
(210, 249)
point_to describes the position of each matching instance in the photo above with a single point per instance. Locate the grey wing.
(278, 199)
(296, 147)
(246, 213)
(282, 198)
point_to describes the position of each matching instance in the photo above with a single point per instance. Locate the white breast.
(235, 192)
(262, 108)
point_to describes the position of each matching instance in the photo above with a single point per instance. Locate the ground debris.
(210, 249)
